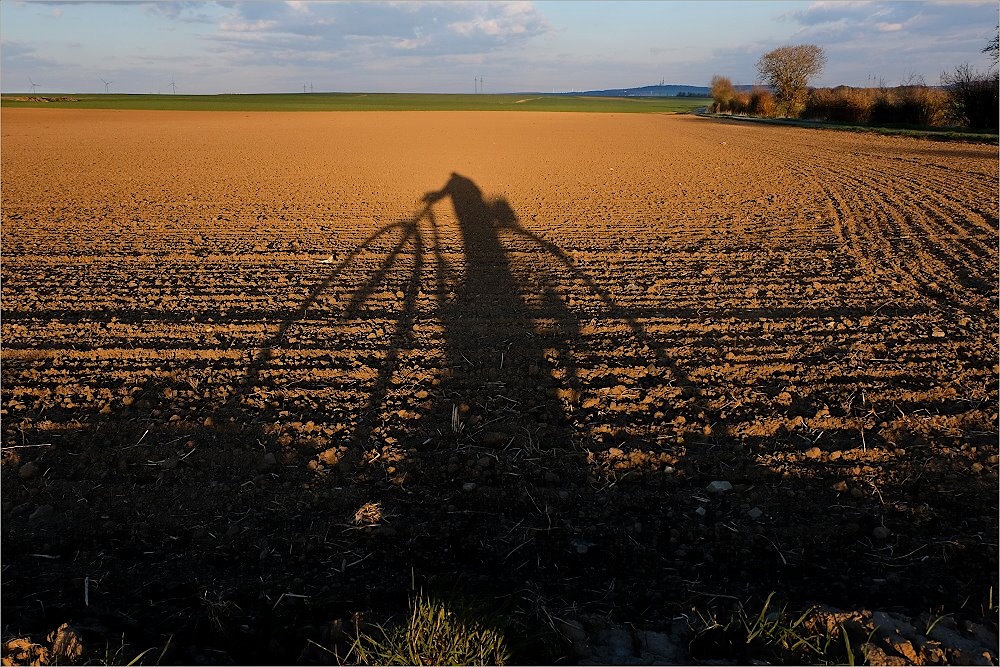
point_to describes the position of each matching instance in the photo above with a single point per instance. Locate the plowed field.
(535, 341)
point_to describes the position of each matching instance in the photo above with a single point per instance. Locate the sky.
(447, 47)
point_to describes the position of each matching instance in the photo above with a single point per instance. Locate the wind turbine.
(107, 85)
(33, 86)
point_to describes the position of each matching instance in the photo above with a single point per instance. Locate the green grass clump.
(434, 635)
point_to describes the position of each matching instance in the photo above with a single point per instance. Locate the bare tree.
(788, 70)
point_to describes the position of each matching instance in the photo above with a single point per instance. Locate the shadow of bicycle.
(481, 306)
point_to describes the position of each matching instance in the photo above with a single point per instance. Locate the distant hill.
(664, 90)
(668, 90)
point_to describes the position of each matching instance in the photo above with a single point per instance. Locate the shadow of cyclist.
(507, 348)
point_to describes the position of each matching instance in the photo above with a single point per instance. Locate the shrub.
(841, 104)
(972, 96)
(762, 103)
(920, 105)
(740, 103)
(915, 104)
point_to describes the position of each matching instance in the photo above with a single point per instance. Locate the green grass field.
(359, 102)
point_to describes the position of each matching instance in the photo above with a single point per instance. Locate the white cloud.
(247, 26)
(893, 39)
(428, 28)
(298, 6)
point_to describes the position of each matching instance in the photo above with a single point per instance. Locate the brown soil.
(539, 339)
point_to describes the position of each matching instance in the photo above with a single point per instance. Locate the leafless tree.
(787, 70)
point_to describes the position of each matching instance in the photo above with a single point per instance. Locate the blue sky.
(411, 46)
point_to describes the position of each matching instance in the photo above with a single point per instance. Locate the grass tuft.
(776, 636)
(433, 635)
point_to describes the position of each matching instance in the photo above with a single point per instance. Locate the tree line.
(966, 96)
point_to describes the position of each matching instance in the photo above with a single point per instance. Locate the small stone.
(719, 486)
(469, 486)
(701, 511)
(755, 513)
(881, 533)
(814, 453)
(840, 486)
(977, 467)
(28, 470)
(209, 422)
(269, 460)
